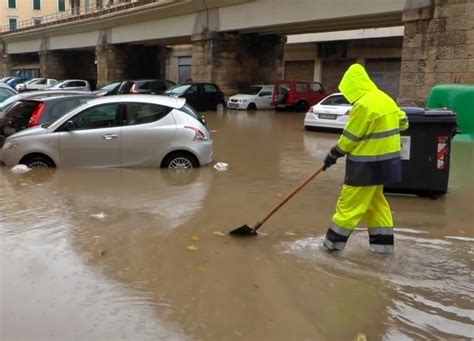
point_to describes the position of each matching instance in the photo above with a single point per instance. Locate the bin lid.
(417, 114)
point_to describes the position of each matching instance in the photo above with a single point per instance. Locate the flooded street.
(142, 254)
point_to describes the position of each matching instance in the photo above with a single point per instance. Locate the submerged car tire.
(302, 106)
(38, 161)
(252, 107)
(180, 160)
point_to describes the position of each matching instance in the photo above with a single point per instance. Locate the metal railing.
(74, 14)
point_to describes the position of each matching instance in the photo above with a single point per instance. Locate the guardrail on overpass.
(74, 14)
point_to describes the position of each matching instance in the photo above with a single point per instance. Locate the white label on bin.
(406, 144)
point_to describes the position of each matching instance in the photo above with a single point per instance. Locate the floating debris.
(192, 247)
(20, 169)
(221, 166)
(99, 216)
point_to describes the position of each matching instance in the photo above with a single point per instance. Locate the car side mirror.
(69, 126)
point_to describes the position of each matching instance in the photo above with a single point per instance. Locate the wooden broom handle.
(290, 195)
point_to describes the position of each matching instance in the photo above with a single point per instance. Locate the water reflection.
(168, 198)
(48, 286)
(429, 280)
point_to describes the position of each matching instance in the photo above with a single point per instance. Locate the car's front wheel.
(180, 160)
(38, 161)
(251, 107)
(220, 107)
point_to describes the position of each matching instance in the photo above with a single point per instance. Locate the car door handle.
(110, 136)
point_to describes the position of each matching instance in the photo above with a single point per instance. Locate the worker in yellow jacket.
(371, 144)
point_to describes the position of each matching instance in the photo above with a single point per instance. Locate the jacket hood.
(356, 83)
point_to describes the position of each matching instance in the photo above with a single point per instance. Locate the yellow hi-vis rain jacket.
(371, 138)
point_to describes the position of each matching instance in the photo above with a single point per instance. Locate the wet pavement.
(142, 254)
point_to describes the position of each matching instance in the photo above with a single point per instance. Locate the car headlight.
(10, 145)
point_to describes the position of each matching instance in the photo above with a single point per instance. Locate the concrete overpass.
(238, 41)
(176, 21)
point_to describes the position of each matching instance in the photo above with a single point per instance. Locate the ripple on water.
(429, 280)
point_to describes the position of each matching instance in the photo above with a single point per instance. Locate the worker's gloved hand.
(329, 160)
(331, 157)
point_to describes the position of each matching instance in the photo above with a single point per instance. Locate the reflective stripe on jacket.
(371, 138)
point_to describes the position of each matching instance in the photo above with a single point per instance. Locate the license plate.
(327, 116)
(9, 130)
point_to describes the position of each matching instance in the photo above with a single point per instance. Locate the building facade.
(21, 13)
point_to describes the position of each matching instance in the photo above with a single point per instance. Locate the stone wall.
(232, 60)
(51, 65)
(438, 47)
(111, 64)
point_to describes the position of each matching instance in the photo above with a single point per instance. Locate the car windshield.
(251, 90)
(110, 86)
(178, 89)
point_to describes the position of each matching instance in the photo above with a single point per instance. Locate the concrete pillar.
(317, 77)
(111, 62)
(438, 47)
(51, 65)
(5, 66)
(232, 60)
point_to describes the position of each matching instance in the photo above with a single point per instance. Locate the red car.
(297, 95)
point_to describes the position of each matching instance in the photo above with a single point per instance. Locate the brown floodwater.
(142, 254)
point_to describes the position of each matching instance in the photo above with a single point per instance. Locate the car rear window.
(335, 100)
(22, 110)
(186, 108)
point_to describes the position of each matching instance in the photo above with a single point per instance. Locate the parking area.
(144, 253)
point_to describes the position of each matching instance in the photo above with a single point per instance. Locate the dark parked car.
(139, 86)
(201, 96)
(28, 112)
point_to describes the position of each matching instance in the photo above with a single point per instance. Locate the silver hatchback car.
(116, 131)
